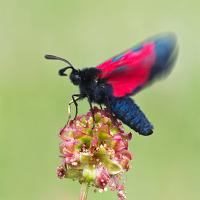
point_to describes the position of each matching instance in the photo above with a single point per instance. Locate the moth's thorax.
(89, 84)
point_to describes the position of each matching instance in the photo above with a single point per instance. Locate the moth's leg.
(69, 110)
(108, 104)
(74, 100)
(110, 111)
(101, 106)
(91, 108)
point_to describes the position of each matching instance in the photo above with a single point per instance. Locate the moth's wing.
(132, 70)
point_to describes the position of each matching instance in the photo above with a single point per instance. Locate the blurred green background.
(33, 97)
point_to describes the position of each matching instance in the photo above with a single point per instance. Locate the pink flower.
(95, 152)
(60, 172)
(102, 177)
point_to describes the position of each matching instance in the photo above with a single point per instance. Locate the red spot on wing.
(130, 72)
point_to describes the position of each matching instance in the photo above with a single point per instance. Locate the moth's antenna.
(61, 71)
(52, 57)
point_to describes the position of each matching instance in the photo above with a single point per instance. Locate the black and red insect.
(114, 81)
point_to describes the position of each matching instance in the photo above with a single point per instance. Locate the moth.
(115, 80)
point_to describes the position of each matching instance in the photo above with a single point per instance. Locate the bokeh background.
(33, 98)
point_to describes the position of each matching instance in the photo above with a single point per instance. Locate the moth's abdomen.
(130, 114)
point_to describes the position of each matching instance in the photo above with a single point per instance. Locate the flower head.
(95, 152)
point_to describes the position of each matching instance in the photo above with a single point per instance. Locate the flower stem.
(84, 191)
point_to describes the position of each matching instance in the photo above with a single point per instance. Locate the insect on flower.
(115, 80)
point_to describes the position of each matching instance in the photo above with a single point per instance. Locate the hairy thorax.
(94, 90)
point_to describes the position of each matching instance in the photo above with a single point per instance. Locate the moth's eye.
(77, 76)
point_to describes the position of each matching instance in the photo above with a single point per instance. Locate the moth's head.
(75, 74)
(75, 77)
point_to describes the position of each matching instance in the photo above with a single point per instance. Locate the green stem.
(84, 191)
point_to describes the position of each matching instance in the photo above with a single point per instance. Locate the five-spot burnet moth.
(115, 80)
